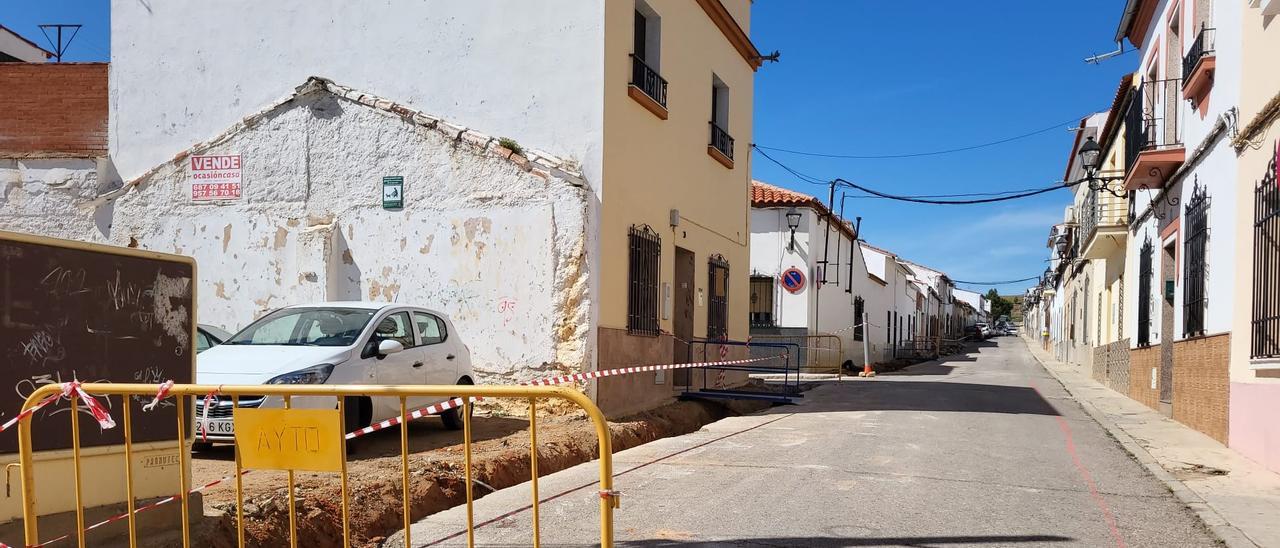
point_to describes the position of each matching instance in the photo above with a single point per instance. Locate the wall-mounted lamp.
(793, 222)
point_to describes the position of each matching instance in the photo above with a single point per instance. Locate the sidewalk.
(1237, 498)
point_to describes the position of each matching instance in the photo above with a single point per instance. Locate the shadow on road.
(931, 396)
(829, 542)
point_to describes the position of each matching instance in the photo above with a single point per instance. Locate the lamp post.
(793, 222)
(1090, 154)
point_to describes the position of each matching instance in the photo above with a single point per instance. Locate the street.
(982, 449)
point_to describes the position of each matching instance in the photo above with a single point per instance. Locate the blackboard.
(93, 313)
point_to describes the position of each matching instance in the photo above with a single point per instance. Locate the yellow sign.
(289, 439)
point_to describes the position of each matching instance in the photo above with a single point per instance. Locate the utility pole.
(826, 248)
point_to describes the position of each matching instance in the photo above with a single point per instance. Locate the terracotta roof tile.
(767, 195)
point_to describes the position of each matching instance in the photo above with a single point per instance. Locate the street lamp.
(1090, 154)
(793, 222)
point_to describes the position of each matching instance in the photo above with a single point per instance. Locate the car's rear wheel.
(453, 418)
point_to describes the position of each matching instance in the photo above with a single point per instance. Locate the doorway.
(682, 313)
(1168, 269)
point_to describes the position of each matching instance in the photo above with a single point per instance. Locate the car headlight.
(311, 375)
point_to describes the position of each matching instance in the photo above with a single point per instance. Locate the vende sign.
(215, 177)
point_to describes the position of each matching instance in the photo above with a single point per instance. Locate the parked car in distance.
(209, 336)
(335, 343)
(986, 330)
(973, 332)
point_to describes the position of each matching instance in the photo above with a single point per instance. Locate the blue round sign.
(793, 280)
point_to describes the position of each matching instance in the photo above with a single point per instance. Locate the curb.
(1229, 534)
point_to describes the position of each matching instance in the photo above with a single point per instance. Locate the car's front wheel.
(453, 418)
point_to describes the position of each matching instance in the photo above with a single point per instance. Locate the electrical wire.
(1004, 282)
(928, 153)
(920, 199)
(912, 199)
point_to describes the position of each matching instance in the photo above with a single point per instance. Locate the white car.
(334, 343)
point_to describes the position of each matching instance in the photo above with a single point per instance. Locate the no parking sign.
(793, 280)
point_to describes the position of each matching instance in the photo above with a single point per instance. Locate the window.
(1266, 266)
(395, 327)
(888, 326)
(859, 306)
(1145, 272)
(762, 301)
(645, 248)
(645, 60)
(203, 342)
(718, 298)
(1196, 264)
(431, 328)
(305, 327)
(720, 140)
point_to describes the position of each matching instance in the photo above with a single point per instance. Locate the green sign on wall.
(392, 192)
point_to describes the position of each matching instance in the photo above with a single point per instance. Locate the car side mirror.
(388, 347)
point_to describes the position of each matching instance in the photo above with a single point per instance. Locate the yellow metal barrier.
(320, 450)
(818, 353)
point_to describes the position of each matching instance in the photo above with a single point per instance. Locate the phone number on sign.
(215, 190)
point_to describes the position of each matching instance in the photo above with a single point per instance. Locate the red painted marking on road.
(1069, 440)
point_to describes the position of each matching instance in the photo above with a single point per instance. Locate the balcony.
(1104, 224)
(1198, 67)
(648, 88)
(1153, 134)
(721, 146)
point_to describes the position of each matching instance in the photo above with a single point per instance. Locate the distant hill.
(1016, 315)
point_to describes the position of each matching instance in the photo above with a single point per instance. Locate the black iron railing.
(648, 80)
(1145, 273)
(718, 300)
(762, 301)
(1266, 266)
(1152, 118)
(721, 140)
(645, 248)
(1099, 210)
(1195, 262)
(1202, 47)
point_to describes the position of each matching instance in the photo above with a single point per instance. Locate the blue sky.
(871, 77)
(93, 43)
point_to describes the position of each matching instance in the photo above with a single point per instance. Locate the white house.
(807, 275)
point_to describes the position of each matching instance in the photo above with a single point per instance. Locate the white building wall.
(499, 249)
(771, 256)
(182, 70)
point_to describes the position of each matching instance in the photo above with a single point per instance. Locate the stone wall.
(1201, 384)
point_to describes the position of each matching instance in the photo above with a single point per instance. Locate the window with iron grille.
(858, 307)
(1196, 264)
(718, 299)
(1266, 265)
(762, 301)
(1145, 259)
(645, 248)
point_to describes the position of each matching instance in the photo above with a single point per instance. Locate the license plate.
(215, 426)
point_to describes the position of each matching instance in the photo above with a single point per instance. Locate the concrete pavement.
(981, 450)
(1237, 498)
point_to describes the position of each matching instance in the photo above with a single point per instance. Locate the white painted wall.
(39, 195)
(183, 70)
(499, 249)
(13, 45)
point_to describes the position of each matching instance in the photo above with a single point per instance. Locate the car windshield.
(305, 327)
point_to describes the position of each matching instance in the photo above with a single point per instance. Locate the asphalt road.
(982, 450)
